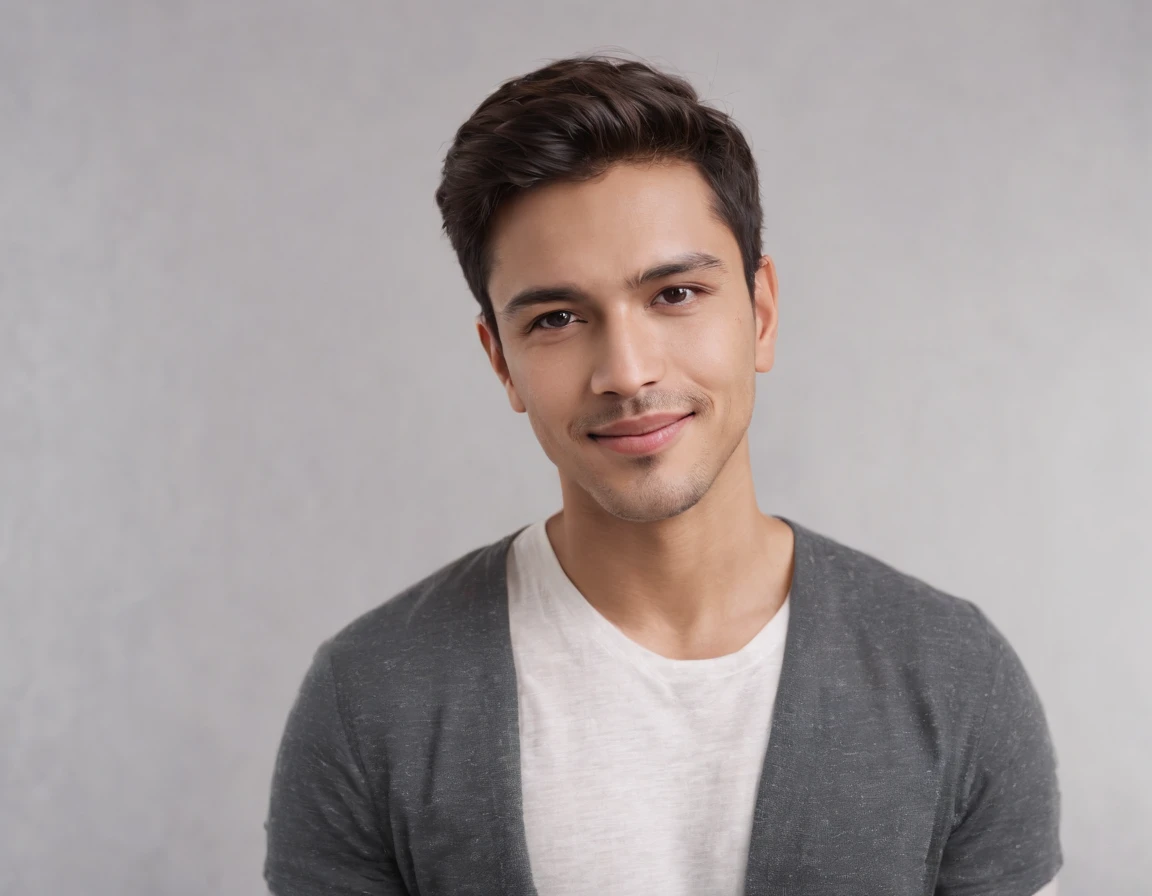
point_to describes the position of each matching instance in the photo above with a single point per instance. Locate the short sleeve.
(1005, 839)
(323, 832)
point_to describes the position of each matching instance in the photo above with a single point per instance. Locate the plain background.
(243, 400)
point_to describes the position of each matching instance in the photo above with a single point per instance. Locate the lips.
(640, 426)
(648, 443)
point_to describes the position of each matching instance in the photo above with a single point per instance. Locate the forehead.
(597, 232)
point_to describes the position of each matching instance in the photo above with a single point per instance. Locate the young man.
(658, 689)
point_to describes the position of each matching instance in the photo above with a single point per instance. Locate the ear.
(765, 312)
(495, 354)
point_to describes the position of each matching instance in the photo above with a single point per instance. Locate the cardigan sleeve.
(323, 829)
(1005, 837)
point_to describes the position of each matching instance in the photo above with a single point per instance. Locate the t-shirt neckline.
(767, 643)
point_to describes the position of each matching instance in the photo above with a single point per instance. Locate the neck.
(720, 564)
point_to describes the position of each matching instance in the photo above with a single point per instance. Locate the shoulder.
(916, 665)
(898, 620)
(414, 632)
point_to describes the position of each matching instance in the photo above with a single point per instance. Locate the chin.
(649, 504)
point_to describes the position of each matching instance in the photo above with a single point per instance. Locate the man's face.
(607, 349)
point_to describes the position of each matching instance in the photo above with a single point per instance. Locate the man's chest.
(631, 783)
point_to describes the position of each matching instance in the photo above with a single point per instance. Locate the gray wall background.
(242, 401)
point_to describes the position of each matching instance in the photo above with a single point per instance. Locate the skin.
(672, 548)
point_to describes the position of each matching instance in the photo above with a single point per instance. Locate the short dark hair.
(569, 121)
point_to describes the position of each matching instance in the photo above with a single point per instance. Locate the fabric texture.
(908, 754)
(638, 771)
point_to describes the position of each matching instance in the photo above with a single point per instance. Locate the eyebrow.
(680, 264)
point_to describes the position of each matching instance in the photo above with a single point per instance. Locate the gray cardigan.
(909, 753)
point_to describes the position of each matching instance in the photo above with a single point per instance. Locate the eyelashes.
(535, 324)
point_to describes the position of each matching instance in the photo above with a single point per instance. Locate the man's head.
(608, 224)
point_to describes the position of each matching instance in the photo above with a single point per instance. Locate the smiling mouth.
(645, 443)
(655, 428)
(636, 435)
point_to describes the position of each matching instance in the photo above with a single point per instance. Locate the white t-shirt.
(639, 772)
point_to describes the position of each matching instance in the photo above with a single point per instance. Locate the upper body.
(839, 728)
(904, 749)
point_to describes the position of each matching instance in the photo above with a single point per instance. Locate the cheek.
(719, 355)
(552, 389)
(722, 365)
(550, 427)
(547, 408)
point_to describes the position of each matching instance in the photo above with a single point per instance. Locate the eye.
(674, 289)
(537, 324)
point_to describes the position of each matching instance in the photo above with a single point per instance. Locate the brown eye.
(673, 290)
(543, 317)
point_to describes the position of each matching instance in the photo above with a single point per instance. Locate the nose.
(628, 357)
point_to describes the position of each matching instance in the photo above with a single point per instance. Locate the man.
(657, 689)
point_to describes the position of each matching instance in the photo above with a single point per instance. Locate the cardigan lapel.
(500, 731)
(791, 759)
